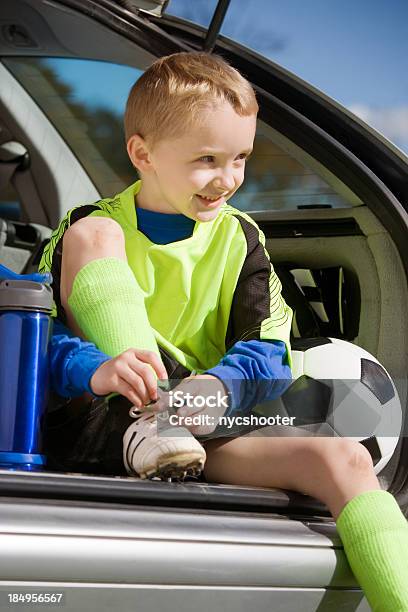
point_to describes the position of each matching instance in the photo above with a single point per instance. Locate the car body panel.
(157, 555)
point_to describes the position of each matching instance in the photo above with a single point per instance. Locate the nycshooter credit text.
(230, 421)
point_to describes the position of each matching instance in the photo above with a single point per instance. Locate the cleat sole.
(177, 469)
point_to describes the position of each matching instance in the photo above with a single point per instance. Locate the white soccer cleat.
(147, 454)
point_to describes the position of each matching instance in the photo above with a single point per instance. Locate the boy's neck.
(149, 200)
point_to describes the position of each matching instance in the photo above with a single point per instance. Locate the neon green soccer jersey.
(202, 294)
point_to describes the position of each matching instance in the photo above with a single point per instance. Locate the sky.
(355, 51)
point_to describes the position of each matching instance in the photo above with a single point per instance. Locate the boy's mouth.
(210, 202)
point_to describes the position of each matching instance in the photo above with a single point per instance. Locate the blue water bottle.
(25, 330)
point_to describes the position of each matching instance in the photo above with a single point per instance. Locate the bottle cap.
(25, 295)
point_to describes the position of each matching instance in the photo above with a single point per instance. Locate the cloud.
(391, 122)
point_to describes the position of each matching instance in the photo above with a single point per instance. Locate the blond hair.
(178, 90)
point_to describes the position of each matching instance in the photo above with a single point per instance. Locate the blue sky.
(354, 51)
(346, 48)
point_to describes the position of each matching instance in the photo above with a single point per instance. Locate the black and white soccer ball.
(340, 389)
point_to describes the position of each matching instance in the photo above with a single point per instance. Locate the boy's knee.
(341, 457)
(94, 231)
(358, 457)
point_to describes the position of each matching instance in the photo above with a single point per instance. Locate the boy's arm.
(72, 362)
(253, 372)
(258, 333)
(258, 310)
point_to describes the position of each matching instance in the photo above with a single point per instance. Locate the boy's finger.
(127, 391)
(153, 360)
(146, 374)
(136, 383)
(161, 404)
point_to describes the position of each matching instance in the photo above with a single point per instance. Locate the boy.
(167, 273)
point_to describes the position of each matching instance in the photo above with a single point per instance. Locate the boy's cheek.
(200, 178)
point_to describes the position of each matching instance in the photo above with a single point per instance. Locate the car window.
(281, 176)
(85, 100)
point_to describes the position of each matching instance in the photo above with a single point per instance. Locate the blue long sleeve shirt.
(72, 362)
(252, 371)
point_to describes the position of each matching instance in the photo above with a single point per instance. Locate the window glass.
(89, 116)
(85, 100)
(280, 176)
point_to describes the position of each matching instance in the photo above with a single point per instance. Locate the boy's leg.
(340, 473)
(98, 291)
(333, 470)
(75, 257)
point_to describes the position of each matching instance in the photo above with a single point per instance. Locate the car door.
(104, 541)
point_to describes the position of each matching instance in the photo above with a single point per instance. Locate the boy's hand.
(131, 374)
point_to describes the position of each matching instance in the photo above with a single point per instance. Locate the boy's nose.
(224, 183)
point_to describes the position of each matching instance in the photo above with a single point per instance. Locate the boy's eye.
(210, 158)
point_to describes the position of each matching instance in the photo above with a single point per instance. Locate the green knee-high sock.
(374, 533)
(108, 305)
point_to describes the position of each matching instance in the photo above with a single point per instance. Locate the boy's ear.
(139, 153)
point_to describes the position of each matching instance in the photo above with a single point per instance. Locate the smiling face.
(207, 161)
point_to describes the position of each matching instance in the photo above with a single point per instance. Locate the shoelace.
(141, 415)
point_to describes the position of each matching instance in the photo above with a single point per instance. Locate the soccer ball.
(339, 389)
